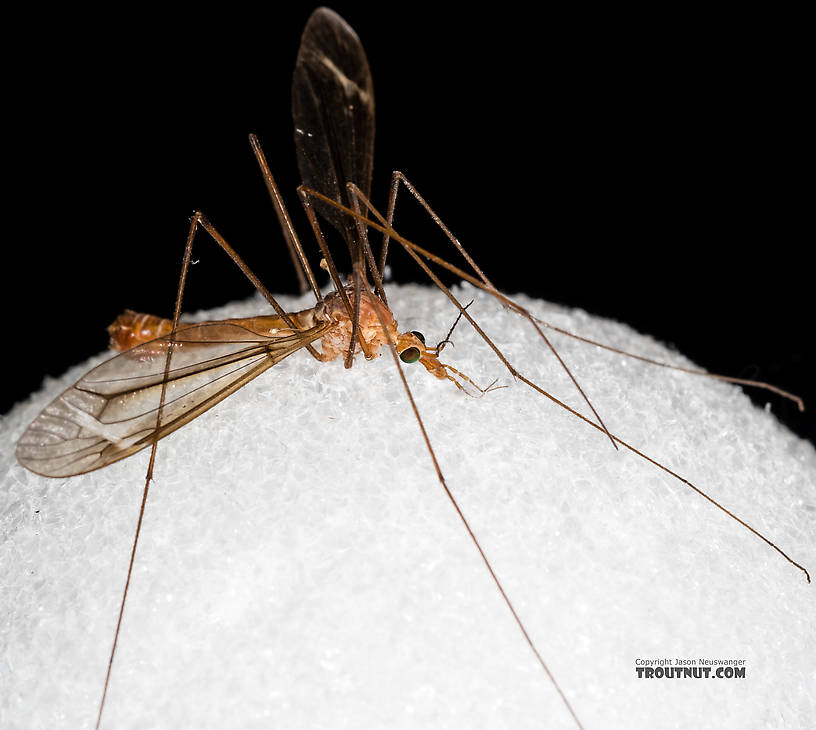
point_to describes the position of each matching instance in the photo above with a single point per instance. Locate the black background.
(644, 168)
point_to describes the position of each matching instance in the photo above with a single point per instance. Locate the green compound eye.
(419, 336)
(410, 354)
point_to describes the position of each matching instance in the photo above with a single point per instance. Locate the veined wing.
(333, 112)
(112, 411)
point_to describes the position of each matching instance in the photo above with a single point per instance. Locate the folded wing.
(113, 411)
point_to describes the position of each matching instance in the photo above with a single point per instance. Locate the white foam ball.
(301, 567)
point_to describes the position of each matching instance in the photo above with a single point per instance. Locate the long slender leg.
(333, 273)
(256, 282)
(416, 251)
(198, 220)
(362, 253)
(357, 287)
(290, 235)
(691, 371)
(487, 286)
(365, 253)
(535, 321)
(398, 177)
(471, 534)
(149, 476)
(392, 203)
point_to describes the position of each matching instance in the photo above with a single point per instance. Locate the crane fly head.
(411, 348)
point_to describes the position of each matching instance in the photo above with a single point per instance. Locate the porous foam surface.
(301, 567)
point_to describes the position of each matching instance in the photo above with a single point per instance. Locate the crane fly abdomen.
(131, 329)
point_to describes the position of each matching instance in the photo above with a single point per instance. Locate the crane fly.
(170, 371)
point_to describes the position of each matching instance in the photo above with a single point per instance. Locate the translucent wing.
(112, 411)
(333, 112)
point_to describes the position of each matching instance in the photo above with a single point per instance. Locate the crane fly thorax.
(379, 328)
(373, 316)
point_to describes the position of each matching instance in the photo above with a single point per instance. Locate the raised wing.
(112, 411)
(333, 112)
